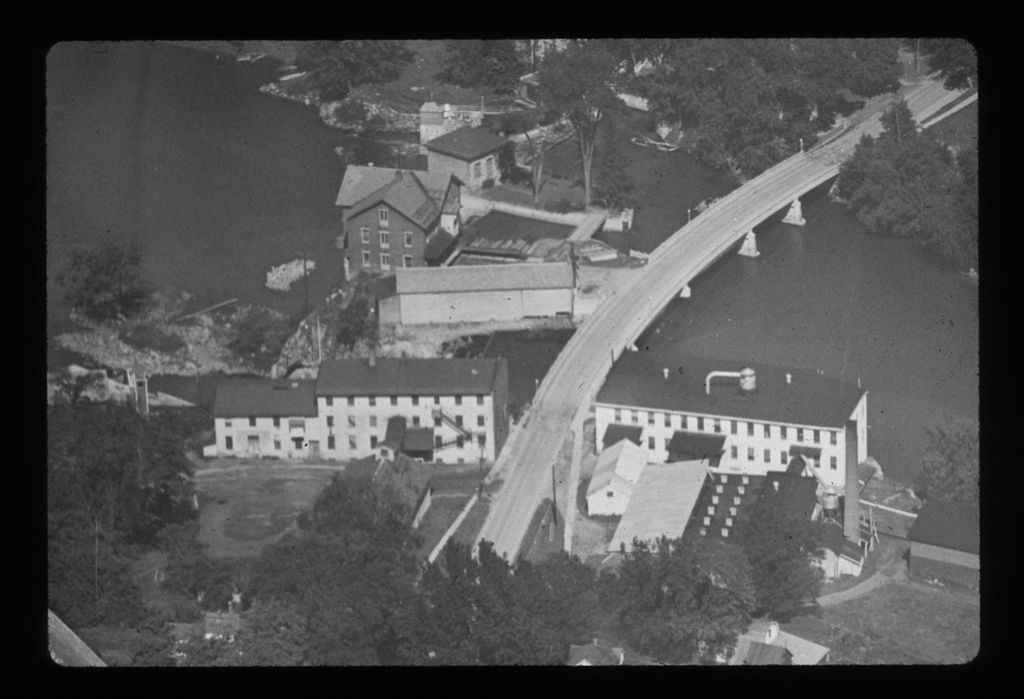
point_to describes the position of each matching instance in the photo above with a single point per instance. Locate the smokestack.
(789, 378)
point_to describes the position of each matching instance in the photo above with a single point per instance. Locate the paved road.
(572, 382)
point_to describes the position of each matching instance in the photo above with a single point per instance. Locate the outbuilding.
(469, 154)
(944, 543)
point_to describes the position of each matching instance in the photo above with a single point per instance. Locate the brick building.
(469, 154)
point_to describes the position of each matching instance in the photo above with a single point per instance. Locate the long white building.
(447, 410)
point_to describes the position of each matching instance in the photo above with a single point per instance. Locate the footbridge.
(563, 399)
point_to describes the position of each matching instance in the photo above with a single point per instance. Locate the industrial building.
(447, 410)
(945, 543)
(662, 501)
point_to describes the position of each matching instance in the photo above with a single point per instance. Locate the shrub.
(146, 336)
(259, 336)
(488, 183)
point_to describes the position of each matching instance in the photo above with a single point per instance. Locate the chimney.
(373, 359)
(664, 372)
(789, 378)
(775, 484)
(772, 633)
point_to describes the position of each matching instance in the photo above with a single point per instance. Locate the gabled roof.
(661, 503)
(405, 438)
(615, 433)
(501, 277)
(748, 649)
(599, 652)
(406, 195)
(758, 653)
(407, 377)
(265, 398)
(467, 143)
(695, 445)
(811, 399)
(947, 524)
(438, 247)
(360, 181)
(623, 456)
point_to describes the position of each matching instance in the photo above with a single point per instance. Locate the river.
(218, 182)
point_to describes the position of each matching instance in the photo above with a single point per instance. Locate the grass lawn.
(959, 130)
(896, 624)
(443, 511)
(542, 539)
(470, 527)
(243, 511)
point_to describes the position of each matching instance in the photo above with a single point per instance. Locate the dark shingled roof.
(951, 525)
(404, 438)
(695, 445)
(466, 143)
(407, 377)
(405, 194)
(439, 245)
(615, 433)
(764, 654)
(265, 398)
(811, 399)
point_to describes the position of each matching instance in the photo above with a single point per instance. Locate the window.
(385, 239)
(229, 443)
(832, 463)
(382, 217)
(437, 400)
(718, 425)
(227, 423)
(407, 261)
(618, 415)
(799, 434)
(700, 424)
(635, 418)
(610, 494)
(458, 400)
(373, 441)
(329, 401)
(385, 261)
(476, 170)
(767, 456)
(479, 420)
(832, 438)
(408, 239)
(783, 457)
(458, 420)
(650, 419)
(437, 422)
(351, 420)
(784, 432)
(459, 441)
(750, 453)
(394, 400)
(252, 421)
(330, 442)
(364, 234)
(373, 401)
(481, 440)
(767, 431)
(330, 421)
(366, 258)
(352, 441)
(732, 426)
(437, 441)
(668, 420)
(733, 452)
(277, 422)
(415, 420)
(750, 429)
(277, 445)
(490, 165)
(479, 400)
(817, 436)
(373, 421)
(650, 442)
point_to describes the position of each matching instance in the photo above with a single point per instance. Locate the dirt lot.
(244, 509)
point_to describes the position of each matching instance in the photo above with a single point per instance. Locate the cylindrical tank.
(748, 380)
(830, 500)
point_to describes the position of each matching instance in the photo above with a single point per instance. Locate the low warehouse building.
(944, 543)
(479, 293)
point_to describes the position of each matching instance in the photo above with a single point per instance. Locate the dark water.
(180, 151)
(831, 296)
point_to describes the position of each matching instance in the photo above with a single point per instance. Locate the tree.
(612, 181)
(356, 321)
(898, 121)
(537, 153)
(340, 66)
(273, 634)
(683, 601)
(104, 282)
(575, 83)
(782, 549)
(954, 59)
(482, 62)
(951, 464)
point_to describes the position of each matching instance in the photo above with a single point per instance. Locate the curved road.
(571, 384)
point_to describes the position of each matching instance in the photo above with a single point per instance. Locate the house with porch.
(395, 218)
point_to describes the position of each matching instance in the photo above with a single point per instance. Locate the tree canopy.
(954, 59)
(952, 463)
(907, 183)
(104, 282)
(340, 66)
(489, 63)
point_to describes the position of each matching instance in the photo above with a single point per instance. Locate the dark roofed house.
(265, 417)
(395, 218)
(601, 652)
(470, 154)
(945, 543)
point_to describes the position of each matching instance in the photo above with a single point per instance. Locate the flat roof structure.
(808, 398)
(500, 277)
(661, 503)
(467, 143)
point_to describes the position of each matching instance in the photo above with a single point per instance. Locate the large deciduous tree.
(104, 282)
(612, 180)
(954, 59)
(340, 66)
(489, 63)
(952, 463)
(575, 82)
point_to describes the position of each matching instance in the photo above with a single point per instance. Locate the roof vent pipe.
(748, 380)
(664, 372)
(713, 374)
(789, 378)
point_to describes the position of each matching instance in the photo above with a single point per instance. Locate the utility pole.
(305, 283)
(554, 498)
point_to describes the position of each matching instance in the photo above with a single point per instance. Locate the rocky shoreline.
(381, 116)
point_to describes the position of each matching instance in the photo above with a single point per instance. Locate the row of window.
(734, 452)
(480, 421)
(229, 442)
(715, 425)
(490, 167)
(351, 400)
(384, 237)
(295, 422)
(385, 260)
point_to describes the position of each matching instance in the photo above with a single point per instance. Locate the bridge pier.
(795, 216)
(685, 292)
(749, 247)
